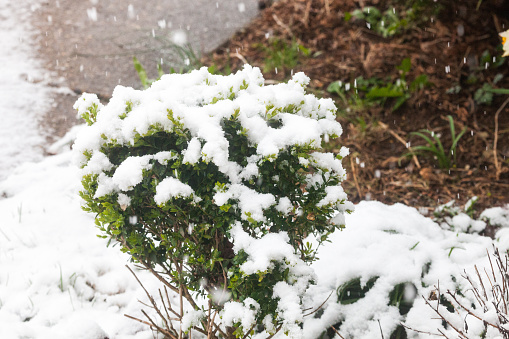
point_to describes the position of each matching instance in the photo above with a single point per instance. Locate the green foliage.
(390, 22)
(375, 91)
(399, 333)
(281, 55)
(435, 148)
(142, 73)
(486, 90)
(489, 61)
(402, 297)
(484, 95)
(386, 24)
(352, 291)
(465, 220)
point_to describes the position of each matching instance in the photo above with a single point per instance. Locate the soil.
(445, 42)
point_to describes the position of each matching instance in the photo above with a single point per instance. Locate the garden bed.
(451, 48)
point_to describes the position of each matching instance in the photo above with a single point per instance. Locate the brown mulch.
(446, 46)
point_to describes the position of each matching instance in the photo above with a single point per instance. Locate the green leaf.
(405, 66)
(420, 82)
(304, 50)
(397, 297)
(384, 92)
(400, 101)
(497, 78)
(334, 87)
(352, 291)
(498, 90)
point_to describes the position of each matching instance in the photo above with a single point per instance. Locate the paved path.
(89, 44)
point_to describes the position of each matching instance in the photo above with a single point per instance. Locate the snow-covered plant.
(496, 216)
(490, 290)
(216, 184)
(451, 217)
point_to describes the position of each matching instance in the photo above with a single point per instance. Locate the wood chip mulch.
(446, 43)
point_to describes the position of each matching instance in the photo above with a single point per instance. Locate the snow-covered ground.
(23, 96)
(58, 280)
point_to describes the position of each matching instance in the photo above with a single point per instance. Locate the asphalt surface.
(88, 45)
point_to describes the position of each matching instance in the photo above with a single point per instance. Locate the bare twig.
(498, 167)
(286, 28)
(380, 326)
(152, 301)
(181, 310)
(277, 330)
(327, 7)
(305, 18)
(336, 331)
(437, 311)
(249, 331)
(482, 284)
(239, 56)
(401, 140)
(471, 313)
(152, 324)
(419, 331)
(319, 307)
(355, 178)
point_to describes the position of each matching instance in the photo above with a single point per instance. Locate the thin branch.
(181, 310)
(419, 331)
(319, 307)
(277, 330)
(498, 167)
(355, 178)
(380, 326)
(480, 280)
(336, 331)
(152, 301)
(491, 265)
(152, 325)
(401, 140)
(248, 332)
(442, 317)
(159, 328)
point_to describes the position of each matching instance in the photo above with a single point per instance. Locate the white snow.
(171, 188)
(58, 280)
(244, 313)
(23, 96)
(179, 37)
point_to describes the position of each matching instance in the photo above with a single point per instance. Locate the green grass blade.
(455, 143)
(451, 126)
(422, 149)
(142, 74)
(498, 90)
(425, 137)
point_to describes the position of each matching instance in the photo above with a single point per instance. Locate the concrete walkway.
(89, 44)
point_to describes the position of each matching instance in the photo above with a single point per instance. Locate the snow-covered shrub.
(384, 269)
(217, 185)
(483, 305)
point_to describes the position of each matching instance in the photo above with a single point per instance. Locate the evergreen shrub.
(217, 185)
